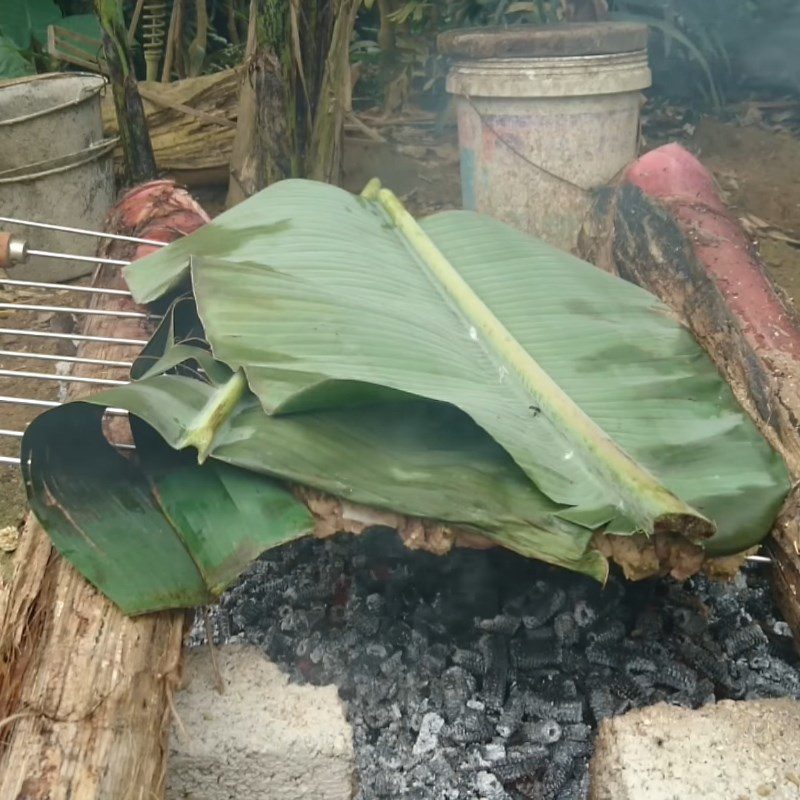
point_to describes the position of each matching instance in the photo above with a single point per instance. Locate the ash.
(484, 674)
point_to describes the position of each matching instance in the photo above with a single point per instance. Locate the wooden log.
(665, 228)
(85, 691)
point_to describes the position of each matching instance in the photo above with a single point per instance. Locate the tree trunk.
(140, 163)
(84, 690)
(294, 94)
(665, 228)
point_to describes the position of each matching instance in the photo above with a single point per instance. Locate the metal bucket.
(545, 115)
(75, 190)
(46, 116)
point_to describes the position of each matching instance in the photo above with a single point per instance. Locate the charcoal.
(576, 788)
(495, 670)
(504, 624)
(471, 727)
(511, 717)
(549, 602)
(545, 732)
(676, 676)
(578, 732)
(566, 629)
(584, 614)
(512, 771)
(489, 787)
(527, 656)
(456, 686)
(555, 778)
(744, 640)
(469, 659)
(462, 682)
(605, 634)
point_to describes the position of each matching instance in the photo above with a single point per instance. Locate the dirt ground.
(757, 170)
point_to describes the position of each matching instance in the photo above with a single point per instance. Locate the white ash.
(482, 675)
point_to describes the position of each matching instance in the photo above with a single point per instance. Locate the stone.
(734, 750)
(263, 737)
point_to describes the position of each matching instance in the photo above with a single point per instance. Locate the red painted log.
(665, 228)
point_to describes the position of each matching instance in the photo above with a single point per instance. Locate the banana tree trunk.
(140, 163)
(665, 228)
(294, 94)
(84, 690)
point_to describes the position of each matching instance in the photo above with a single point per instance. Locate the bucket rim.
(86, 94)
(56, 165)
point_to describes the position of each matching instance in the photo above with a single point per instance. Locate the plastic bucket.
(545, 115)
(75, 190)
(46, 116)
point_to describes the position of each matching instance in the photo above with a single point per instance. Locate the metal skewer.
(12, 460)
(63, 287)
(99, 362)
(99, 312)
(114, 262)
(51, 376)
(31, 401)
(13, 434)
(83, 231)
(77, 337)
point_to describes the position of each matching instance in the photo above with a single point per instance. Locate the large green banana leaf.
(601, 397)
(454, 370)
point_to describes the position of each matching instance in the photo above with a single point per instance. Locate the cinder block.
(263, 739)
(744, 750)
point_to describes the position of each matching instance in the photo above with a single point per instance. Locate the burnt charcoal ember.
(547, 604)
(544, 732)
(744, 640)
(468, 659)
(527, 655)
(515, 769)
(676, 676)
(513, 712)
(561, 710)
(495, 670)
(504, 624)
(456, 687)
(577, 732)
(555, 778)
(472, 726)
(577, 788)
(610, 631)
(462, 682)
(566, 629)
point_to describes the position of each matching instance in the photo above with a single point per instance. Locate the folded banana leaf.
(452, 369)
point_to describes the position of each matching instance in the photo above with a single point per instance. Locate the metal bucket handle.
(69, 162)
(83, 95)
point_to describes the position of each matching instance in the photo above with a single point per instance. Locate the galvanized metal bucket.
(75, 190)
(46, 116)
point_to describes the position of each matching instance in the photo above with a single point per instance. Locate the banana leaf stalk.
(450, 369)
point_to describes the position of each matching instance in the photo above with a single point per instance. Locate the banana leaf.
(601, 397)
(453, 370)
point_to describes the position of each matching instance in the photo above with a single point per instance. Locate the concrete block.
(727, 751)
(263, 739)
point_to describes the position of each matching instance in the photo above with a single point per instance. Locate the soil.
(16, 417)
(758, 171)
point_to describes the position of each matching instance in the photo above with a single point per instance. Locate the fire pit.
(484, 675)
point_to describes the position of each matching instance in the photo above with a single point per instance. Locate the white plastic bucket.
(545, 115)
(75, 190)
(46, 116)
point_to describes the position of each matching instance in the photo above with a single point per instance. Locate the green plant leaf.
(417, 458)
(23, 20)
(13, 63)
(160, 532)
(320, 290)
